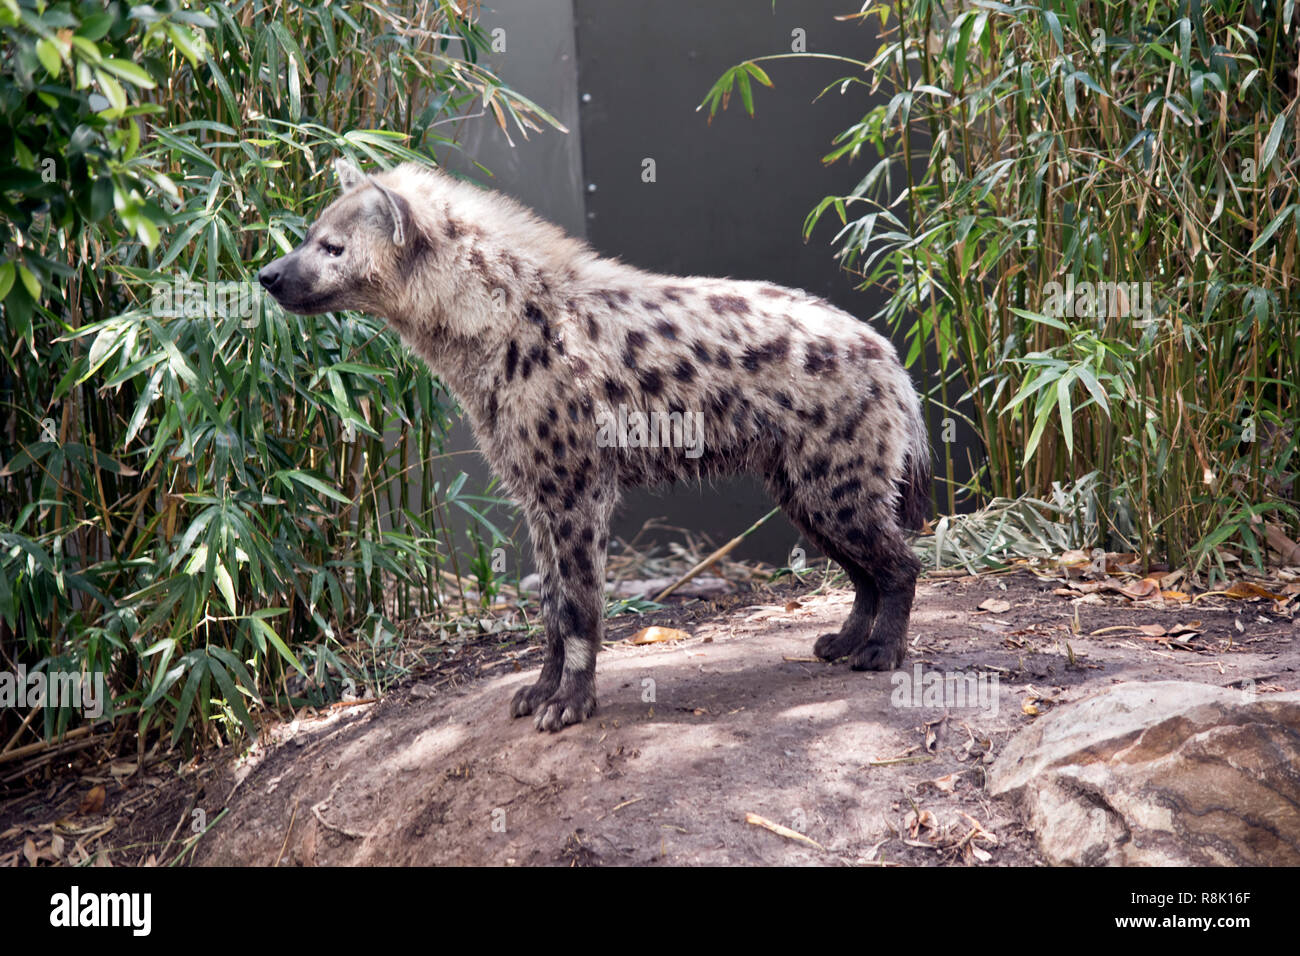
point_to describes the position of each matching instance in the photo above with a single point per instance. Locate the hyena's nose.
(269, 276)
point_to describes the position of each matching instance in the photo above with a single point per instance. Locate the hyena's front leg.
(573, 537)
(530, 698)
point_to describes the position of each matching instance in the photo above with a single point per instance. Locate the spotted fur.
(539, 338)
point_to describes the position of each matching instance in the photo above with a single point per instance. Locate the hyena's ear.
(398, 212)
(349, 175)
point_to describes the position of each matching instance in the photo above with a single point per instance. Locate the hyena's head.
(352, 255)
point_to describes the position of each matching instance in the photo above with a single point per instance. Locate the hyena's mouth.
(306, 305)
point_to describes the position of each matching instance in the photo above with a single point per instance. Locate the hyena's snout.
(294, 287)
(272, 276)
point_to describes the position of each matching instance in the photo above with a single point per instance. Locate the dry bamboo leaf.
(753, 819)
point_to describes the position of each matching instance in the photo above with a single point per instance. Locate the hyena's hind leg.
(856, 630)
(883, 569)
(865, 540)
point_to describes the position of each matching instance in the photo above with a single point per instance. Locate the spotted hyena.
(545, 343)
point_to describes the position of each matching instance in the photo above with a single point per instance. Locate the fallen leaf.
(793, 605)
(656, 635)
(931, 735)
(29, 851)
(1141, 589)
(1074, 559)
(922, 820)
(93, 801)
(946, 784)
(996, 606)
(1249, 590)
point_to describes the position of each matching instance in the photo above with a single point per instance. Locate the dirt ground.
(702, 750)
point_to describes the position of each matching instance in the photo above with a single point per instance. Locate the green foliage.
(201, 494)
(1023, 145)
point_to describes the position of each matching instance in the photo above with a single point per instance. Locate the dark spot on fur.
(756, 356)
(870, 351)
(722, 304)
(512, 359)
(452, 228)
(534, 315)
(652, 383)
(615, 390)
(666, 328)
(817, 468)
(844, 488)
(684, 371)
(701, 352)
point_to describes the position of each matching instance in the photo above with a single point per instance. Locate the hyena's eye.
(331, 249)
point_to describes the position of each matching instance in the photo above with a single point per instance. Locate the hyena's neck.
(491, 318)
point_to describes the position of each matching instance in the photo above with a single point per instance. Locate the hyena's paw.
(878, 656)
(529, 699)
(571, 707)
(831, 647)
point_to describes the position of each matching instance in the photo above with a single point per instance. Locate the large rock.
(1161, 773)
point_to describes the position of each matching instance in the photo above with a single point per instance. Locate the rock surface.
(1160, 773)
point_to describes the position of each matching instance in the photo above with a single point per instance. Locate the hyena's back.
(788, 387)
